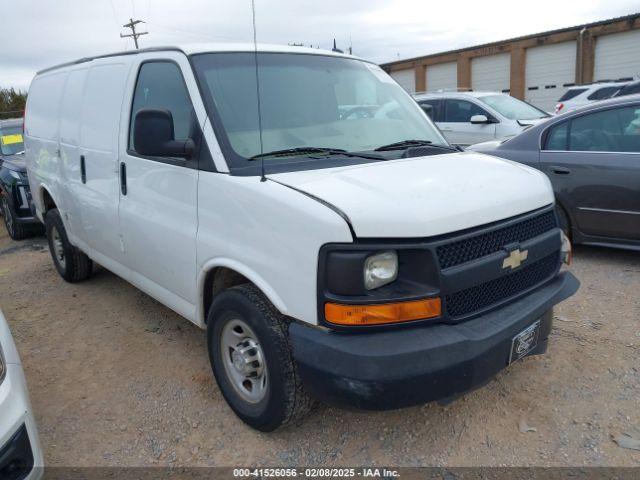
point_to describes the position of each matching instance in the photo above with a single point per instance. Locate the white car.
(334, 246)
(580, 95)
(20, 452)
(466, 118)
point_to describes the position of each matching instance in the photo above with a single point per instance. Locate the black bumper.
(16, 456)
(403, 367)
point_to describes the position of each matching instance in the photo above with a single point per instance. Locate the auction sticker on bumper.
(524, 342)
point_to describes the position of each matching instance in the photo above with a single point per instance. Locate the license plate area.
(524, 342)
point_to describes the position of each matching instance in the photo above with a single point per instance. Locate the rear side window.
(614, 130)
(604, 92)
(461, 111)
(161, 85)
(569, 94)
(630, 89)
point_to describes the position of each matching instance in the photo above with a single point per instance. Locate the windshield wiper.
(299, 151)
(404, 144)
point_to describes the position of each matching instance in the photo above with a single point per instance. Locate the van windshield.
(313, 101)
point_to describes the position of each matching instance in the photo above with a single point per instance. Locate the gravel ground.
(116, 379)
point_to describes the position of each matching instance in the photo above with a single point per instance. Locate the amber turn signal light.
(355, 315)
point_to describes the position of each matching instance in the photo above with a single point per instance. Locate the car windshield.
(11, 140)
(314, 101)
(512, 108)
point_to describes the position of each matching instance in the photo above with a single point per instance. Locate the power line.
(132, 25)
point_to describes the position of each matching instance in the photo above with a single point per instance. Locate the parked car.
(580, 95)
(466, 118)
(592, 156)
(15, 194)
(20, 452)
(359, 260)
(630, 88)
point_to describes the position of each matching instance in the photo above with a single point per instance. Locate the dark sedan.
(592, 156)
(14, 185)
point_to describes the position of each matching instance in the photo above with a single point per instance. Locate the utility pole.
(132, 25)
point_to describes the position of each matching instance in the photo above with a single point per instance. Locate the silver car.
(466, 118)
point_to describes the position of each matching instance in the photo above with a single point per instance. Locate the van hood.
(425, 196)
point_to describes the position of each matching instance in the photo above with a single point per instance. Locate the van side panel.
(99, 197)
(41, 135)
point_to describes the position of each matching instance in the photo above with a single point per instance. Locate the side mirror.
(479, 119)
(153, 135)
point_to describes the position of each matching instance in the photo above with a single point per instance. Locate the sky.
(36, 34)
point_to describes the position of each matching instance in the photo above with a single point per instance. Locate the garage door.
(617, 56)
(491, 73)
(549, 71)
(443, 76)
(406, 79)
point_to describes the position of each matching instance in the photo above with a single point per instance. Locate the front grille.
(478, 246)
(470, 300)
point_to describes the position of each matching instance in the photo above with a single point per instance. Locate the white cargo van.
(324, 233)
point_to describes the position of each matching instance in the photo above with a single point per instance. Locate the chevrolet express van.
(301, 207)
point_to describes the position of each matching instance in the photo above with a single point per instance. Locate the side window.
(557, 137)
(604, 92)
(602, 131)
(434, 113)
(461, 111)
(160, 85)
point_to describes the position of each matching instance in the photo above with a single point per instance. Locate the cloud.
(40, 33)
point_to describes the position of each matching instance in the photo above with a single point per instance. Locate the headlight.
(565, 250)
(380, 269)
(15, 174)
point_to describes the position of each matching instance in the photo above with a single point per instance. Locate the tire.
(72, 264)
(563, 219)
(16, 230)
(276, 398)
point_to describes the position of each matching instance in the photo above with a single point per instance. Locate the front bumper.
(403, 367)
(20, 452)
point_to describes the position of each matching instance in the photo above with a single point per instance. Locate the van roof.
(195, 48)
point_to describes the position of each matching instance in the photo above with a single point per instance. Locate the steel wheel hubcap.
(58, 248)
(243, 360)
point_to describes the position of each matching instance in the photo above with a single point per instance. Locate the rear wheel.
(251, 359)
(72, 264)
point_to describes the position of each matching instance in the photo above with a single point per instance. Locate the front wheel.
(16, 230)
(72, 264)
(251, 359)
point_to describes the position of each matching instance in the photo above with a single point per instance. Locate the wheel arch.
(45, 200)
(219, 274)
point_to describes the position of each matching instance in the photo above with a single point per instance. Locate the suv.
(14, 185)
(466, 118)
(580, 95)
(330, 251)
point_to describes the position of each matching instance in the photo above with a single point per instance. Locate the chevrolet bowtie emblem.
(515, 258)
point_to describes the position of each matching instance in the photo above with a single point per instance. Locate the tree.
(12, 103)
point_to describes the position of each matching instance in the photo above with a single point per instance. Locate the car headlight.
(566, 250)
(380, 269)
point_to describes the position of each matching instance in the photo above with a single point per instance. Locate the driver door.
(158, 198)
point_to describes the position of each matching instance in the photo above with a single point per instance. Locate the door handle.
(560, 170)
(123, 178)
(83, 170)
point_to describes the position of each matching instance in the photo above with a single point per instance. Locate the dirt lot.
(118, 379)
